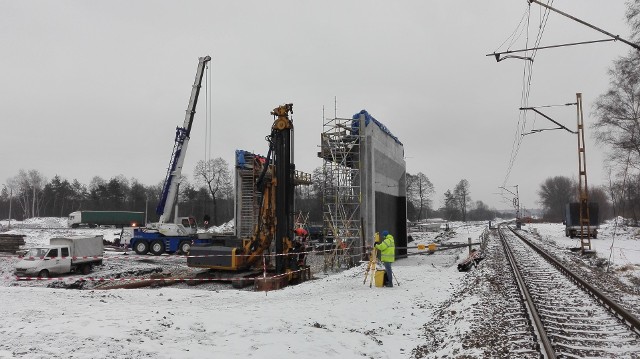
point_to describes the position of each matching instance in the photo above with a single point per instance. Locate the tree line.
(456, 204)
(211, 192)
(29, 194)
(556, 192)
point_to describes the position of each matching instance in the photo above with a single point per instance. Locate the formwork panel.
(365, 182)
(383, 183)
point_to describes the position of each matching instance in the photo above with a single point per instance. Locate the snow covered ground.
(617, 246)
(335, 315)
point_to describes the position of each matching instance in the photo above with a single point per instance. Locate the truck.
(572, 219)
(163, 236)
(105, 218)
(158, 239)
(62, 255)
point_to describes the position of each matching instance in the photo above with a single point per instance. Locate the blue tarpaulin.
(241, 160)
(368, 118)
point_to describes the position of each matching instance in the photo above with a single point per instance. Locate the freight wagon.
(572, 220)
(106, 218)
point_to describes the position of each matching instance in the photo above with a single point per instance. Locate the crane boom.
(172, 179)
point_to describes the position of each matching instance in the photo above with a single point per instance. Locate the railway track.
(568, 318)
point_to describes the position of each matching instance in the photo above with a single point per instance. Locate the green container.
(106, 218)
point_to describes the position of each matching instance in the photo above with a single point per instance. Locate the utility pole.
(516, 205)
(583, 192)
(10, 200)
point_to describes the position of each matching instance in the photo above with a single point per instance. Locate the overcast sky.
(97, 87)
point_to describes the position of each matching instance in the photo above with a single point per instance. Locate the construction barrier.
(125, 255)
(138, 279)
(431, 247)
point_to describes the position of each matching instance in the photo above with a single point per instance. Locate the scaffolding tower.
(341, 189)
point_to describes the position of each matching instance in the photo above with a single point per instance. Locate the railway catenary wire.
(578, 321)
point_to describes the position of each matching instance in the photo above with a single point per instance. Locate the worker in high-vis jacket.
(387, 247)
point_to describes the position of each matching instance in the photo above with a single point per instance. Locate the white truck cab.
(62, 255)
(74, 219)
(44, 261)
(184, 226)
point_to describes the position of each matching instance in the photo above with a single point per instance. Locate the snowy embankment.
(336, 316)
(617, 246)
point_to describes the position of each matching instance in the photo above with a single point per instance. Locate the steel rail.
(615, 308)
(549, 352)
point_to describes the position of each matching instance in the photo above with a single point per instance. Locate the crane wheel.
(157, 247)
(184, 247)
(141, 247)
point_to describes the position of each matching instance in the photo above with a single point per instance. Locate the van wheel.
(43, 274)
(141, 247)
(184, 247)
(86, 269)
(157, 247)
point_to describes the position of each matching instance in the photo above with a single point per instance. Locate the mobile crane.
(165, 237)
(275, 221)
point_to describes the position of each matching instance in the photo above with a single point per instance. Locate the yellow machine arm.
(266, 229)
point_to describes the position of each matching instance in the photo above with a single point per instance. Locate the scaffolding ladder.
(340, 151)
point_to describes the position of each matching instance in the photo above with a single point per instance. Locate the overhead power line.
(615, 37)
(499, 57)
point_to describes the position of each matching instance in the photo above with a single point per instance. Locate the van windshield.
(36, 252)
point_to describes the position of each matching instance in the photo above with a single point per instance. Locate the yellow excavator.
(275, 222)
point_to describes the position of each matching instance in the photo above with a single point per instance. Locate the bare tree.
(624, 193)
(462, 195)
(618, 113)
(555, 193)
(450, 208)
(28, 189)
(618, 124)
(481, 211)
(419, 192)
(600, 196)
(633, 18)
(215, 175)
